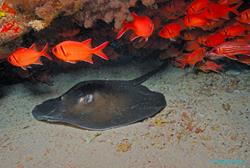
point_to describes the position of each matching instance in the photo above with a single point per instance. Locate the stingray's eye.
(86, 99)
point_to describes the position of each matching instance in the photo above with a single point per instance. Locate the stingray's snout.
(46, 110)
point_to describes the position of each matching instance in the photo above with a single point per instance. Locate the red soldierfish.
(244, 16)
(197, 6)
(194, 21)
(233, 30)
(170, 31)
(216, 11)
(230, 49)
(213, 40)
(210, 66)
(191, 59)
(142, 26)
(24, 57)
(73, 51)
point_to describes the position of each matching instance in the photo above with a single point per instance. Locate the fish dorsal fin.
(33, 46)
(21, 48)
(87, 42)
(134, 36)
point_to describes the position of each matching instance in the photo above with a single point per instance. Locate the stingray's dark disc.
(100, 105)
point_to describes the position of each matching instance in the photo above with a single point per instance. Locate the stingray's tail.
(143, 78)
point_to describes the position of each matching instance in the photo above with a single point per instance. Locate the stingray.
(103, 104)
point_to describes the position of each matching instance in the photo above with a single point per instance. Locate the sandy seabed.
(207, 118)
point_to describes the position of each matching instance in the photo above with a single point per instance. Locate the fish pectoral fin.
(145, 39)
(172, 39)
(89, 60)
(24, 68)
(71, 62)
(88, 42)
(133, 37)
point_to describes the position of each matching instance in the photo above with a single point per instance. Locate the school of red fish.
(211, 30)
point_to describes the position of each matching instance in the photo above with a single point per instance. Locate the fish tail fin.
(99, 50)
(234, 8)
(44, 52)
(125, 28)
(133, 37)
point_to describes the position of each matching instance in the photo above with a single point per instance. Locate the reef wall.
(38, 14)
